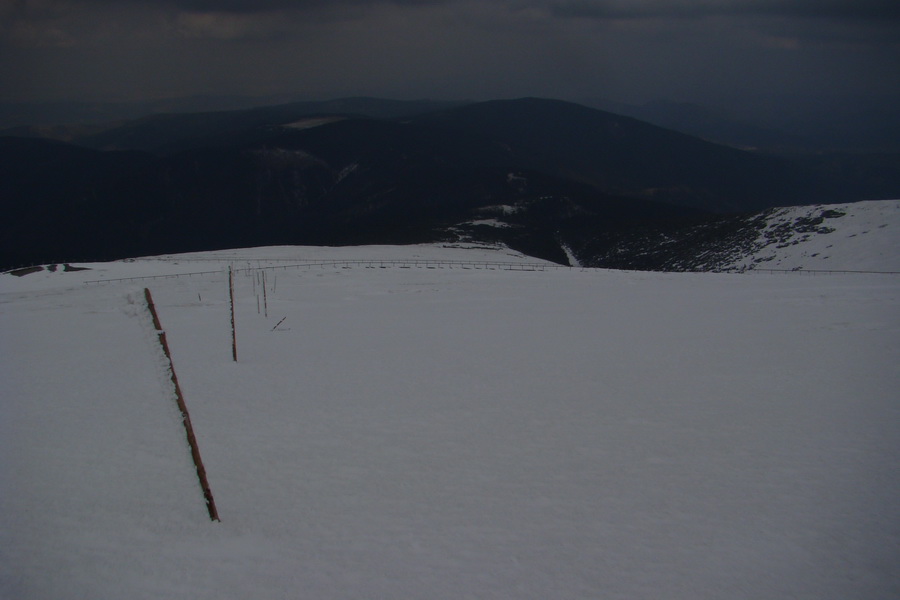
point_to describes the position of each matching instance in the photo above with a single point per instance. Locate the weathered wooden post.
(265, 296)
(231, 303)
(185, 416)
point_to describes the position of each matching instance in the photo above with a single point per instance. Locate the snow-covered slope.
(448, 423)
(863, 236)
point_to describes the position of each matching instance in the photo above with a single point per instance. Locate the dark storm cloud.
(632, 9)
(872, 10)
(602, 9)
(630, 49)
(257, 6)
(224, 6)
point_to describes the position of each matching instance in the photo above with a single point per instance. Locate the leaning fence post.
(231, 304)
(265, 297)
(185, 416)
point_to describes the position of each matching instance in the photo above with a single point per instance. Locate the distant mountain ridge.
(165, 132)
(107, 114)
(376, 171)
(860, 126)
(622, 155)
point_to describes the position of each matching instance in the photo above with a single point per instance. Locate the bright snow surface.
(857, 236)
(449, 430)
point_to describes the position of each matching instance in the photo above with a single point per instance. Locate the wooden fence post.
(231, 303)
(185, 416)
(265, 296)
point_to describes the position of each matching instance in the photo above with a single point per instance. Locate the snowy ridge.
(447, 433)
(214, 263)
(862, 236)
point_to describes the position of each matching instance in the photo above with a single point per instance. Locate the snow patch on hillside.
(857, 237)
(489, 223)
(570, 256)
(312, 122)
(501, 209)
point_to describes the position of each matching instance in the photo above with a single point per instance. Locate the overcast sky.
(712, 51)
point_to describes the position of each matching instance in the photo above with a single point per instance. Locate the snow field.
(864, 236)
(455, 433)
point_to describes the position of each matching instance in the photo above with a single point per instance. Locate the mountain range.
(566, 178)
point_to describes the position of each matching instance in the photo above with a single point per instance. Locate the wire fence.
(266, 264)
(349, 264)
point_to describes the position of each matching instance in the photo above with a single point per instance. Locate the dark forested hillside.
(321, 174)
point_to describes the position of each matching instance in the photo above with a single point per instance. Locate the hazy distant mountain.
(319, 173)
(706, 123)
(622, 155)
(165, 132)
(856, 125)
(80, 113)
